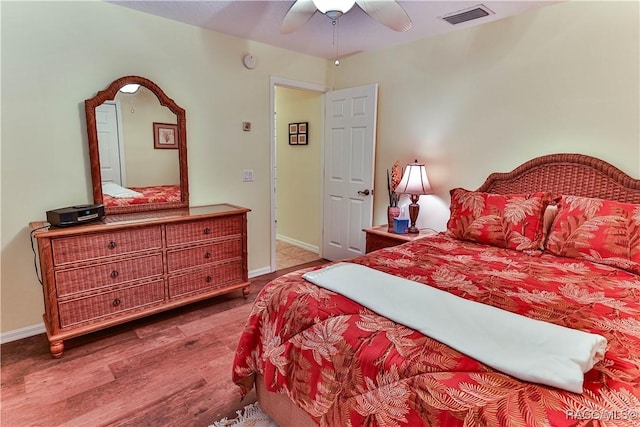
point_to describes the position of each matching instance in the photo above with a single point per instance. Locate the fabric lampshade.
(414, 180)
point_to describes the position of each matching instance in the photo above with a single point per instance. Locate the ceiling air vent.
(475, 12)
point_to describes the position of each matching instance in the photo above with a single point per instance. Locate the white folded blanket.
(528, 349)
(119, 192)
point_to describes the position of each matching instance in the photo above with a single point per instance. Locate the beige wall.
(563, 78)
(299, 177)
(57, 54)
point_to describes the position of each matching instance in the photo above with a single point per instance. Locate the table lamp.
(415, 183)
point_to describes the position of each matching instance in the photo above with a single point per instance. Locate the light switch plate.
(247, 175)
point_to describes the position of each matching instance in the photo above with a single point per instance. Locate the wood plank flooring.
(171, 369)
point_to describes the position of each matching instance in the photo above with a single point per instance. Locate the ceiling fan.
(387, 12)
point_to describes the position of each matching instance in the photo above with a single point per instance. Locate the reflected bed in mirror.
(115, 195)
(130, 172)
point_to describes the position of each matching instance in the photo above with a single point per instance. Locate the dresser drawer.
(205, 254)
(98, 245)
(112, 273)
(203, 230)
(109, 303)
(209, 278)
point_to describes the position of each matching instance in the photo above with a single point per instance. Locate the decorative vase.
(392, 212)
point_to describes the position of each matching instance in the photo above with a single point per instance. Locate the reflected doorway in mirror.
(165, 135)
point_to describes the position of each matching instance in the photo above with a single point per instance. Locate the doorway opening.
(296, 172)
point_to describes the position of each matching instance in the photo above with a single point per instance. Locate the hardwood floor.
(171, 369)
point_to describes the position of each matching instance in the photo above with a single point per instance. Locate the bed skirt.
(280, 408)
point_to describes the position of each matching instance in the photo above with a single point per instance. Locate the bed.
(569, 255)
(153, 194)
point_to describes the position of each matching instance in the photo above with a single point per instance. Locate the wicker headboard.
(575, 174)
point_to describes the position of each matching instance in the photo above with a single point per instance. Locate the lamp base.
(414, 210)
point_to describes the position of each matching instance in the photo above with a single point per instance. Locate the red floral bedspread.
(156, 194)
(347, 366)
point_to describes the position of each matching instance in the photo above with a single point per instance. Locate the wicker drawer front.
(202, 255)
(197, 231)
(97, 276)
(109, 303)
(210, 278)
(90, 246)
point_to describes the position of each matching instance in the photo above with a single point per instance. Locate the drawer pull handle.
(114, 274)
(207, 230)
(209, 279)
(112, 245)
(116, 302)
(207, 255)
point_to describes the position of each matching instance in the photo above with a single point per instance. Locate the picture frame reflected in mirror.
(165, 135)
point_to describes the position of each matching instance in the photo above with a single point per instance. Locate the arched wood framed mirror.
(137, 147)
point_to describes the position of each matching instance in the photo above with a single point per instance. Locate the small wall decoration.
(165, 135)
(298, 133)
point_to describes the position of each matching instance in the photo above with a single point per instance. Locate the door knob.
(364, 193)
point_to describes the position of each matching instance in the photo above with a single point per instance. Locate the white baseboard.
(298, 243)
(29, 331)
(259, 272)
(18, 334)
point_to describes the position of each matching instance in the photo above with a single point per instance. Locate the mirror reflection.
(132, 150)
(137, 146)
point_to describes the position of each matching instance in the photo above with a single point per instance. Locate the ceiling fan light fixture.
(334, 8)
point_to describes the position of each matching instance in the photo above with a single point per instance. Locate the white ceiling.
(260, 21)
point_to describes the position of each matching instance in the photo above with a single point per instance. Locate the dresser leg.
(56, 348)
(245, 291)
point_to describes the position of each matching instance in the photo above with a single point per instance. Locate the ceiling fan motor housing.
(387, 12)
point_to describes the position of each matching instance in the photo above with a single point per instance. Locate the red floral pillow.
(602, 231)
(512, 221)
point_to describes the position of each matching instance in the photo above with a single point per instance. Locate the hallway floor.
(288, 255)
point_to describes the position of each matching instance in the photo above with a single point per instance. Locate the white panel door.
(350, 135)
(109, 144)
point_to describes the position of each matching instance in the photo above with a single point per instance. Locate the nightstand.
(379, 237)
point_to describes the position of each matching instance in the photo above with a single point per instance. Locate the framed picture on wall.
(298, 133)
(165, 135)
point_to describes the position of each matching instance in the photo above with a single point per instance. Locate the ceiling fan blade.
(387, 12)
(299, 13)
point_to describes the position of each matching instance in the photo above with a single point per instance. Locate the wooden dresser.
(132, 265)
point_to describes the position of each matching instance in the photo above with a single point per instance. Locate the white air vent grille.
(475, 12)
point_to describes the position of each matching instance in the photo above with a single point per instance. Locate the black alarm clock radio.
(75, 215)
